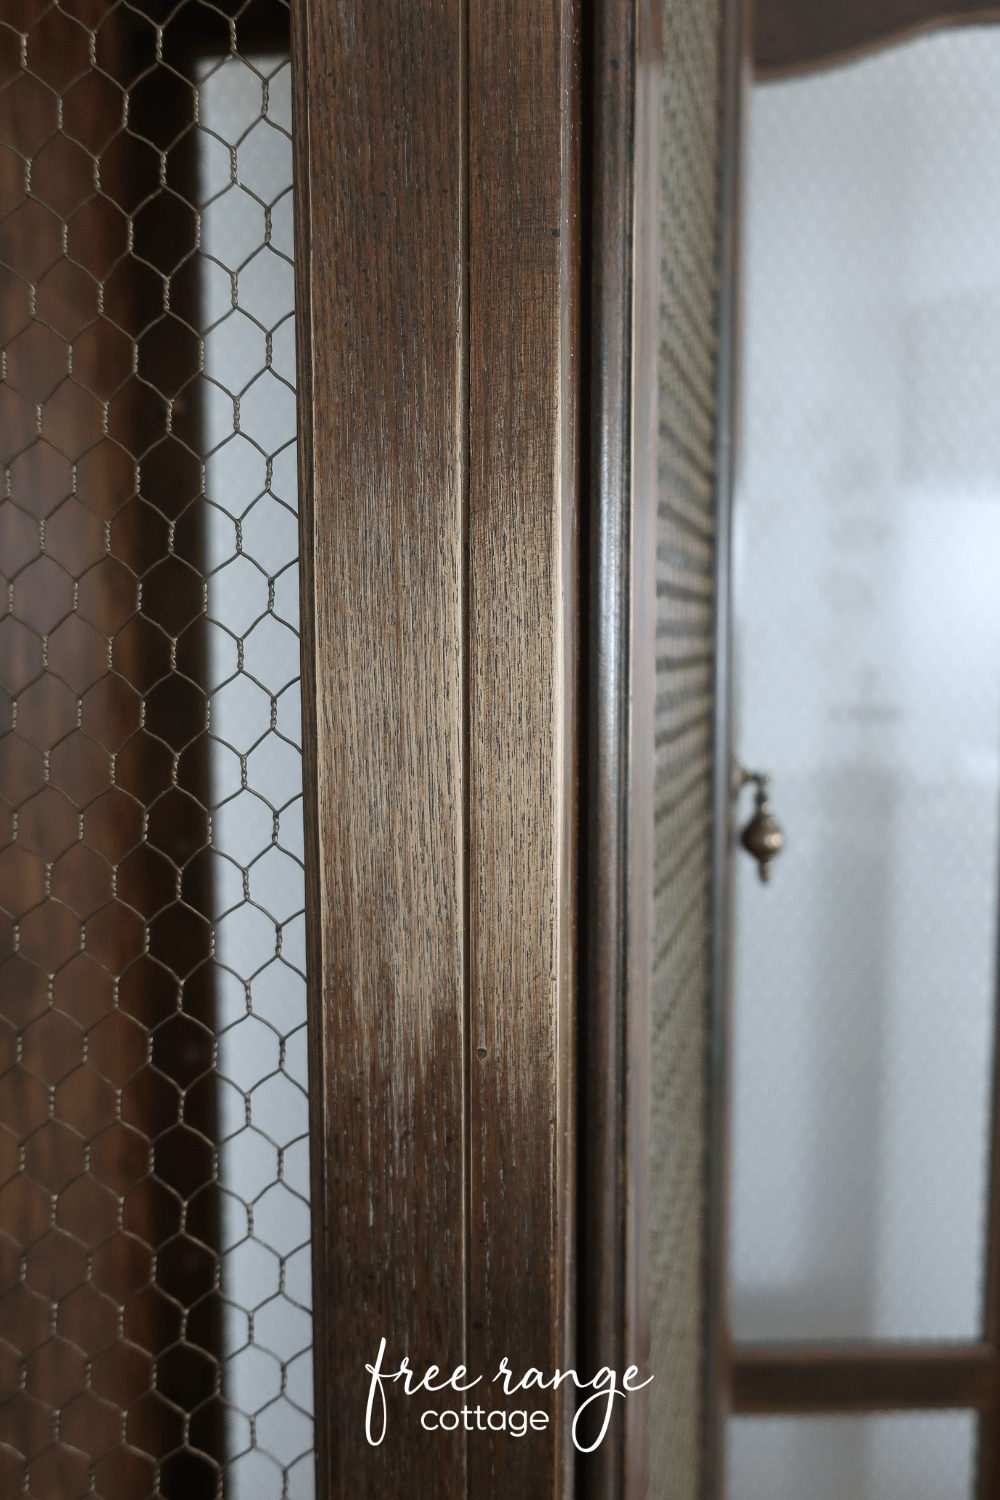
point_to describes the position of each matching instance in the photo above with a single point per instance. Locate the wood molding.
(436, 181)
(379, 142)
(618, 697)
(862, 1377)
(523, 321)
(791, 37)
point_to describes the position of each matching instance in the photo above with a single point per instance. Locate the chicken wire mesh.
(154, 1222)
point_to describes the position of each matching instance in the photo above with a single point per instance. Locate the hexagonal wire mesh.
(154, 1223)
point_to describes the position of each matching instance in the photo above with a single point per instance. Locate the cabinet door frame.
(619, 605)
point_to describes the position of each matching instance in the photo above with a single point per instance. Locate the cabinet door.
(354, 623)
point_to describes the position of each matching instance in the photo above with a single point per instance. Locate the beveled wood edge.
(623, 81)
(840, 1377)
(792, 39)
(573, 395)
(603, 802)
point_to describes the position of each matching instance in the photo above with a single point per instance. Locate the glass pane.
(896, 1456)
(256, 772)
(154, 1214)
(867, 560)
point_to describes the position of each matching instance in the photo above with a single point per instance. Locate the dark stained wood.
(603, 1206)
(437, 236)
(522, 519)
(736, 64)
(379, 184)
(863, 1377)
(794, 37)
(642, 605)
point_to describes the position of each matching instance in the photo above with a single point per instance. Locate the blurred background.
(866, 568)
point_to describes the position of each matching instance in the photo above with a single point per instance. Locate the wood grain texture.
(863, 1377)
(380, 245)
(617, 805)
(522, 564)
(792, 37)
(604, 799)
(643, 505)
(437, 283)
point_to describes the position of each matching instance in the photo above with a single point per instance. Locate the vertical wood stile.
(619, 695)
(379, 277)
(604, 805)
(437, 383)
(523, 306)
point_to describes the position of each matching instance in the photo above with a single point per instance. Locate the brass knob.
(762, 837)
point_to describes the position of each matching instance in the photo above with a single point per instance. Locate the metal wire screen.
(684, 734)
(154, 1222)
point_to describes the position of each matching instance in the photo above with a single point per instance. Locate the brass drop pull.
(762, 837)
